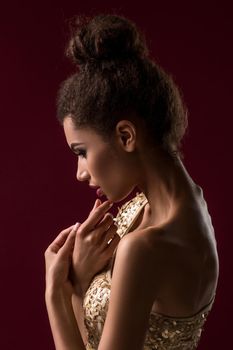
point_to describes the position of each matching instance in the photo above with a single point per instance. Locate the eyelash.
(81, 153)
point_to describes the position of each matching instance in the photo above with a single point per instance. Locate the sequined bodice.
(164, 332)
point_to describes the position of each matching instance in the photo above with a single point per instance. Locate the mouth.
(99, 191)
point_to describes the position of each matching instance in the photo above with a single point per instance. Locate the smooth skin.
(167, 263)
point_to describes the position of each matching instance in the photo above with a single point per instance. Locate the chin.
(118, 197)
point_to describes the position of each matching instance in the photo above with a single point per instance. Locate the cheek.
(111, 172)
(105, 166)
(108, 165)
(96, 164)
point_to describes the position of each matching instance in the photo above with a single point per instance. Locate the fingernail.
(97, 202)
(76, 226)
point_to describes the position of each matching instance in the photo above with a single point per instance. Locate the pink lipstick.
(99, 192)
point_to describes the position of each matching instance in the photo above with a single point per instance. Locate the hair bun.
(105, 37)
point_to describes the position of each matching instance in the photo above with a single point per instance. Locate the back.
(187, 259)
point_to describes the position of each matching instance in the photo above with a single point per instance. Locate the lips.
(99, 192)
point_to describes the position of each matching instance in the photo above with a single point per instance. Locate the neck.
(165, 182)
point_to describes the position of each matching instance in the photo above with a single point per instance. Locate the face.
(104, 165)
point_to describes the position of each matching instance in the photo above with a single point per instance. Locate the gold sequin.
(164, 333)
(128, 213)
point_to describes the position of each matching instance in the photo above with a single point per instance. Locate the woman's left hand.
(58, 258)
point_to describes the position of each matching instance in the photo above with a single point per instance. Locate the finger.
(95, 216)
(105, 222)
(60, 239)
(109, 234)
(111, 245)
(68, 245)
(62, 234)
(104, 225)
(108, 217)
(99, 233)
(96, 204)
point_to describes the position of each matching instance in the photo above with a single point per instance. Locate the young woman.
(147, 278)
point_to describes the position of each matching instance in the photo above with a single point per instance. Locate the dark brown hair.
(115, 77)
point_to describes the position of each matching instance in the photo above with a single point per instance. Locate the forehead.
(81, 135)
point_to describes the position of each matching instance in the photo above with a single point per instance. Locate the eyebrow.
(73, 145)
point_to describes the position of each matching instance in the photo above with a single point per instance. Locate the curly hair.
(116, 77)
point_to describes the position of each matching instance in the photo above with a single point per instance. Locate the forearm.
(77, 302)
(62, 320)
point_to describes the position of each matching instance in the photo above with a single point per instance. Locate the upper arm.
(132, 296)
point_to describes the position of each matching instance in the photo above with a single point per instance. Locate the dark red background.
(39, 192)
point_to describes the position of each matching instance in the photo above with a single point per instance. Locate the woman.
(124, 118)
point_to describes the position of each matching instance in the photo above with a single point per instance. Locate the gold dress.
(164, 332)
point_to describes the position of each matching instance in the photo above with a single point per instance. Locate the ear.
(126, 134)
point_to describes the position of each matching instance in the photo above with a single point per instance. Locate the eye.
(81, 153)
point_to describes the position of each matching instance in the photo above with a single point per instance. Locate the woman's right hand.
(92, 249)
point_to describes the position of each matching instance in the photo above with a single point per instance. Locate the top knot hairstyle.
(105, 38)
(115, 78)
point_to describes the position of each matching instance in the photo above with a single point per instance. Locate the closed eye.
(80, 153)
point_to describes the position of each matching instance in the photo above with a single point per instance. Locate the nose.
(82, 173)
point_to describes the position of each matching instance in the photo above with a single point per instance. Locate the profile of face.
(110, 165)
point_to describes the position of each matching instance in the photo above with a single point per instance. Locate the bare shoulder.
(147, 241)
(132, 295)
(141, 251)
(141, 244)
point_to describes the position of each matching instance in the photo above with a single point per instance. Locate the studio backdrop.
(40, 195)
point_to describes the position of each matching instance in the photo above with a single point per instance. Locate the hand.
(92, 249)
(58, 258)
